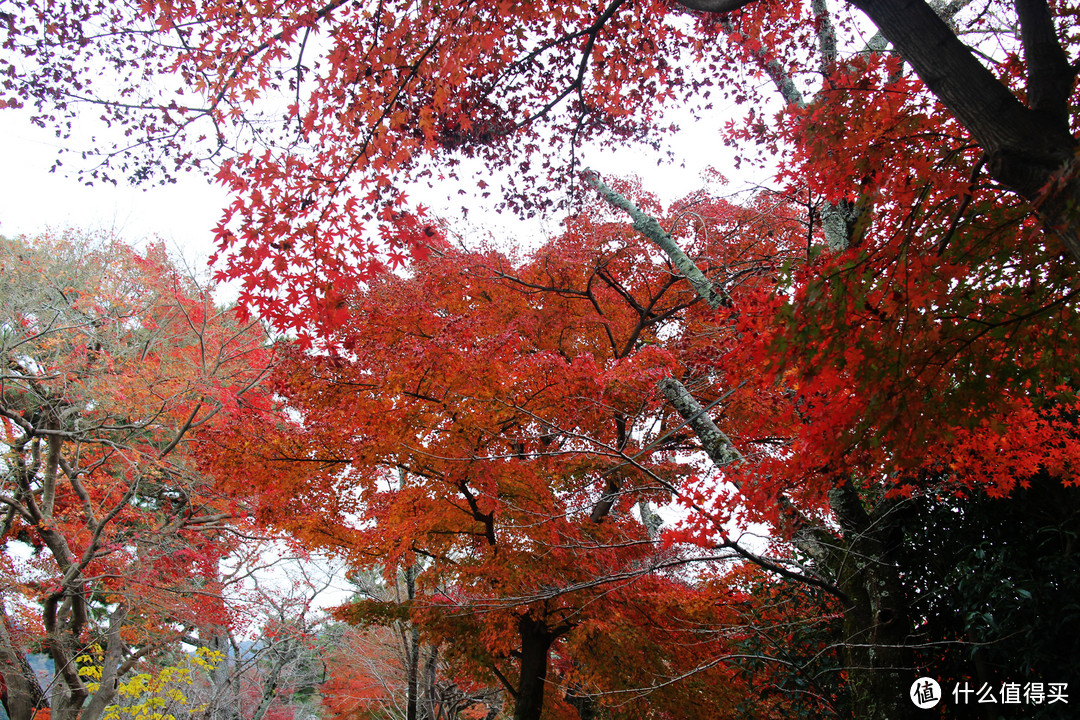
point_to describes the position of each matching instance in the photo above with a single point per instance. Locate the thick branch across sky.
(1028, 149)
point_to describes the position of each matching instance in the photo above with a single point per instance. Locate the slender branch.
(808, 535)
(781, 78)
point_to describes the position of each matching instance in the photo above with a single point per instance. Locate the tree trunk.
(23, 692)
(430, 693)
(412, 650)
(110, 666)
(225, 704)
(63, 623)
(876, 625)
(536, 640)
(876, 659)
(412, 653)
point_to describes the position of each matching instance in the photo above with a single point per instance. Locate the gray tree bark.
(858, 563)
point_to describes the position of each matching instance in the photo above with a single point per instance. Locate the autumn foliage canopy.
(890, 327)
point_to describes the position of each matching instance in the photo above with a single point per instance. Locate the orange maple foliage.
(495, 424)
(364, 673)
(498, 423)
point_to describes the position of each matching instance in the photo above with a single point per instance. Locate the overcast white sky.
(32, 199)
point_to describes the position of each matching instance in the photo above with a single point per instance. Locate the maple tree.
(270, 660)
(871, 372)
(365, 675)
(383, 668)
(492, 428)
(113, 361)
(276, 677)
(501, 420)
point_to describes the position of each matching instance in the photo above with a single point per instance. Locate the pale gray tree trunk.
(856, 565)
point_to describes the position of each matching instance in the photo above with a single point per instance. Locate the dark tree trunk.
(877, 625)
(429, 694)
(536, 640)
(412, 651)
